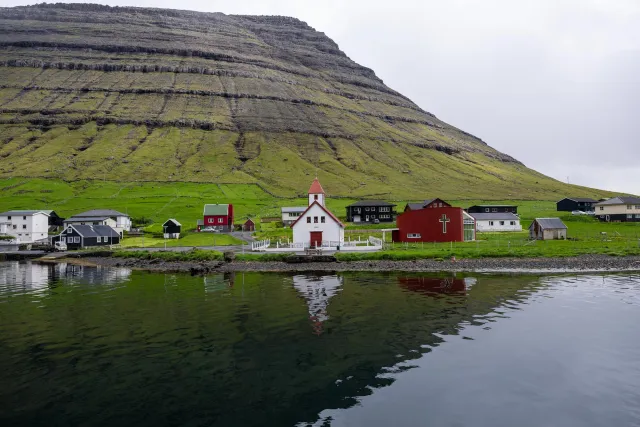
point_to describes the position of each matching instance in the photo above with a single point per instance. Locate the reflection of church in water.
(317, 291)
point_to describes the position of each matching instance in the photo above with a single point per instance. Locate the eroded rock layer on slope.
(176, 95)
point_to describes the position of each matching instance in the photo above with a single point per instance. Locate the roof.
(249, 220)
(100, 213)
(493, 206)
(316, 188)
(216, 210)
(371, 203)
(95, 230)
(8, 213)
(621, 200)
(547, 223)
(495, 216)
(175, 221)
(580, 199)
(294, 209)
(86, 218)
(324, 209)
(415, 206)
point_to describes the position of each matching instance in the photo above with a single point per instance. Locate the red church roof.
(316, 188)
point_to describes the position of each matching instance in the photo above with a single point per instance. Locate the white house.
(118, 221)
(500, 221)
(291, 214)
(25, 226)
(317, 226)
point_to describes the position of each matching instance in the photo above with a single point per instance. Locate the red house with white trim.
(441, 224)
(216, 218)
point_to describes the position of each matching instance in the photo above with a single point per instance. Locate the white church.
(317, 226)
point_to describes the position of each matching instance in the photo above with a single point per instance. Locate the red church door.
(316, 239)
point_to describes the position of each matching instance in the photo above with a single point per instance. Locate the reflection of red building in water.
(434, 285)
(317, 290)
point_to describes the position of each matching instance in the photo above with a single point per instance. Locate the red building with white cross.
(441, 224)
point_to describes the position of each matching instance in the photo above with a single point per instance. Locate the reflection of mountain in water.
(29, 275)
(317, 291)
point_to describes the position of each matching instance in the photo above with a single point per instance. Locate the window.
(76, 239)
(629, 207)
(501, 222)
(24, 218)
(322, 219)
(490, 222)
(512, 223)
(9, 218)
(601, 208)
(629, 216)
(210, 220)
(637, 216)
(494, 210)
(105, 239)
(315, 219)
(439, 205)
(486, 209)
(24, 226)
(315, 197)
(220, 220)
(637, 207)
(15, 226)
(413, 236)
(366, 209)
(308, 220)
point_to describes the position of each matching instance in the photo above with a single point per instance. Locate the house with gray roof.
(85, 236)
(548, 229)
(496, 221)
(290, 214)
(117, 220)
(619, 209)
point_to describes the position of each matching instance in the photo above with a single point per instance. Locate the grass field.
(156, 202)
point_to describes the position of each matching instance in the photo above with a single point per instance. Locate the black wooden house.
(171, 229)
(370, 211)
(493, 209)
(570, 204)
(85, 236)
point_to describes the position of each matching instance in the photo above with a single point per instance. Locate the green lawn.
(191, 239)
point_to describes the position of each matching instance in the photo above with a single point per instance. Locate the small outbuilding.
(171, 229)
(548, 229)
(249, 225)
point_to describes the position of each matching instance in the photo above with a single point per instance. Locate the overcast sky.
(554, 83)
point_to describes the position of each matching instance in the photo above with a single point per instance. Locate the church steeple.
(316, 192)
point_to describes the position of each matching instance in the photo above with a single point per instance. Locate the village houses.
(26, 226)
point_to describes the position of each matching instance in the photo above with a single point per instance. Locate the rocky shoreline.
(583, 264)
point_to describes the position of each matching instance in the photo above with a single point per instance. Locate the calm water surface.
(84, 346)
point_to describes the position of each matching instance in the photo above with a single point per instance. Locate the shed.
(171, 229)
(548, 229)
(249, 225)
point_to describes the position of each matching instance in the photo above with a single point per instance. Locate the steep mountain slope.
(131, 94)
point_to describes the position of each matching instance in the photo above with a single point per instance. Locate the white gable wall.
(27, 228)
(331, 230)
(494, 225)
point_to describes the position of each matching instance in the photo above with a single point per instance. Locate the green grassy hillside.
(130, 94)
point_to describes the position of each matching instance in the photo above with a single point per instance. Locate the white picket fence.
(260, 245)
(375, 241)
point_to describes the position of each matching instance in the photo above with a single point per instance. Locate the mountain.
(127, 94)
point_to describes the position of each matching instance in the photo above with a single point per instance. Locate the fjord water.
(103, 346)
